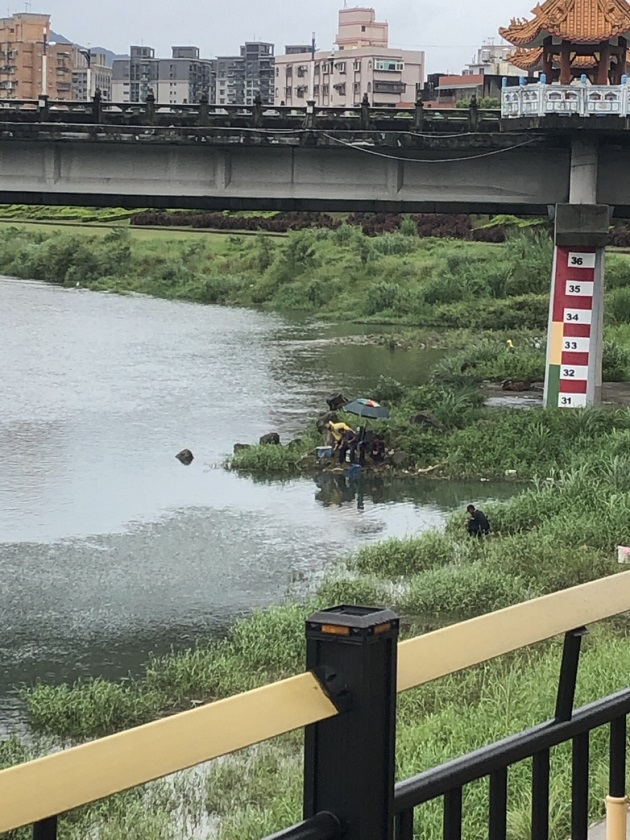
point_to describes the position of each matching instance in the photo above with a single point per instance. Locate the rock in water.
(516, 385)
(273, 438)
(185, 457)
(240, 447)
(336, 401)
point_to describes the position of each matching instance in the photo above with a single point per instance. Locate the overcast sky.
(448, 31)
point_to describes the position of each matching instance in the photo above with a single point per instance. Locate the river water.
(109, 547)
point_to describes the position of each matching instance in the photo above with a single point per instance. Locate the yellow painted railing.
(63, 781)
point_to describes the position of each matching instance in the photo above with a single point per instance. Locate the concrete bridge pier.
(576, 312)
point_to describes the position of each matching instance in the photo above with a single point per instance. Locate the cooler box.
(324, 452)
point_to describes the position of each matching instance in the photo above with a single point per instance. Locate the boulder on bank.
(336, 401)
(516, 385)
(240, 447)
(399, 459)
(272, 439)
(425, 418)
(324, 419)
(185, 457)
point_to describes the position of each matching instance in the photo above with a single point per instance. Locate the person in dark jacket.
(478, 525)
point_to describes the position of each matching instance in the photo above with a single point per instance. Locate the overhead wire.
(424, 160)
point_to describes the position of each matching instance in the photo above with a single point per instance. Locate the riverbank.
(553, 535)
(562, 529)
(339, 274)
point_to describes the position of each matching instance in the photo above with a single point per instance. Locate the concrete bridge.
(199, 157)
(550, 150)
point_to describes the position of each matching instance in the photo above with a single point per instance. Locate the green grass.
(555, 534)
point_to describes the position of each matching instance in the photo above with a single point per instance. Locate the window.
(341, 89)
(363, 29)
(389, 66)
(341, 66)
(315, 90)
(357, 87)
(325, 90)
(357, 66)
(316, 70)
(277, 71)
(326, 69)
(287, 92)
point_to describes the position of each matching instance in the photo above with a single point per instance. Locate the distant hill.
(61, 39)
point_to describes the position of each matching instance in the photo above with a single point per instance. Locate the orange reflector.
(382, 628)
(335, 630)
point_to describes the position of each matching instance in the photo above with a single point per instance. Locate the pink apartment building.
(361, 63)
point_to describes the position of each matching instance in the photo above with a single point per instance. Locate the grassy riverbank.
(339, 274)
(552, 535)
(343, 274)
(561, 529)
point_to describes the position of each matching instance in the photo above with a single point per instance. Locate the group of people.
(349, 443)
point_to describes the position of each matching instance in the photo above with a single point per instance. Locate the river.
(109, 548)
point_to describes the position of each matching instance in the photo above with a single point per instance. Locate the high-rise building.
(183, 78)
(31, 64)
(134, 77)
(239, 78)
(363, 63)
(86, 80)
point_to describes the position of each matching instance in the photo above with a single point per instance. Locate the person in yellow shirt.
(509, 345)
(338, 430)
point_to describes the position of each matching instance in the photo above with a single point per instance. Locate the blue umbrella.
(368, 409)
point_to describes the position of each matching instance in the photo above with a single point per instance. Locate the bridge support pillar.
(573, 376)
(349, 759)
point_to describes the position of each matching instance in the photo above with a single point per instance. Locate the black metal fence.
(349, 772)
(349, 776)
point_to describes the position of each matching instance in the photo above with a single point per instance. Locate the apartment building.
(362, 63)
(91, 75)
(134, 77)
(182, 78)
(185, 77)
(239, 78)
(30, 63)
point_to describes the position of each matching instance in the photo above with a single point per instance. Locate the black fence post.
(568, 674)
(97, 109)
(43, 111)
(365, 113)
(46, 829)
(257, 111)
(150, 107)
(473, 113)
(418, 115)
(349, 759)
(204, 109)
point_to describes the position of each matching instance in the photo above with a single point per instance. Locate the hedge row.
(457, 226)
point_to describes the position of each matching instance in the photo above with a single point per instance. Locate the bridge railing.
(540, 100)
(307, 118)
(347, 702)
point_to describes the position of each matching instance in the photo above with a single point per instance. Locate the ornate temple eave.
(532, 59)
(576, 21)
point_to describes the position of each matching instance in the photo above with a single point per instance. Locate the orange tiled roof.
(578, 21)
(532, 59)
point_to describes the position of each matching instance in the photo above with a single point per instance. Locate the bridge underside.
(290, 177)
(515, 173)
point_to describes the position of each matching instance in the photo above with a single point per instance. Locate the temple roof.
(577, 21)
(532, 60)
